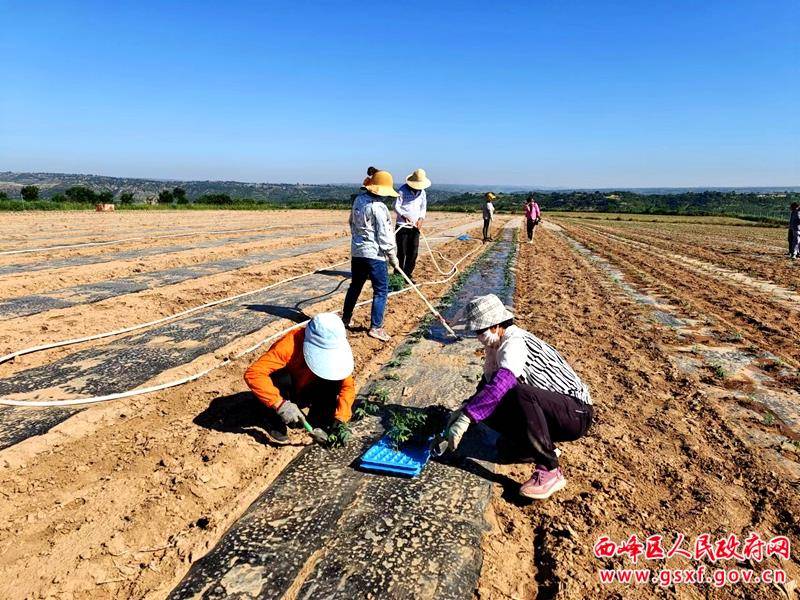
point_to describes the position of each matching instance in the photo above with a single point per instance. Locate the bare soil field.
(693, 371)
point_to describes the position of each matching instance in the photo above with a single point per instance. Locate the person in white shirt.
(410, 208)
(488, 214)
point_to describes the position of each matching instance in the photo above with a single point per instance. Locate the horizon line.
(357, 184)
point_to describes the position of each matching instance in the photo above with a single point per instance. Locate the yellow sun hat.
(490, 196)
(382, 184)
(418, 180)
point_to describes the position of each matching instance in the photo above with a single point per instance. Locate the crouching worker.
(308, 367)
(528, 394)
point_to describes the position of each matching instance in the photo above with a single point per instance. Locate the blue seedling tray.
(464, 237)
(408, 460)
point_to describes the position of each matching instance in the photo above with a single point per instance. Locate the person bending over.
(528, 394)
(308, 367)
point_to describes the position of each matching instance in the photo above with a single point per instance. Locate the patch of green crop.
(392, 377)
(339, 435)
(719, 371)
(372, 404)
(769, 419)
(396, 282)
(404, 424)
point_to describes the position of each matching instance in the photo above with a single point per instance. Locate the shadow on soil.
(282, 312)
(242, 413)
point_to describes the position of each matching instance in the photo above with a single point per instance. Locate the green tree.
(79, 193)
(126, 198)
(3, 196)
(165, 197)
(30, 193)
(220, 199)
(180, 195)
(105, 197)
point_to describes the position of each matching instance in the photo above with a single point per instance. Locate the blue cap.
(326, 349)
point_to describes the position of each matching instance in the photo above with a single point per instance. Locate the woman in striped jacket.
(529, 394)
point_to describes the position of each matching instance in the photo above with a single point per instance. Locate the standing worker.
(410, 208)
(528, 394)
(794, 230)
(311, 366)
(371, 245)
(488, 214)
(532, 216)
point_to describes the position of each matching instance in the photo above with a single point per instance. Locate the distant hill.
(758, 202)
(54, 183)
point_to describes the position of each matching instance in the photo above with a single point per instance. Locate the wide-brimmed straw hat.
(486, 311)
(418, 180)
(382, 184)
(326, 349)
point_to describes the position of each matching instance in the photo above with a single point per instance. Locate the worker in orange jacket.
(308, 367)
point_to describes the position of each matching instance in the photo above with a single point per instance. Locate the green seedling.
(396, 282)
(769, 419)
(392, 363)
(339, 435)
(365, 409)
(404, 352)
(379, 395)
(719, 371)
(392, 377)
(371, 405)
(404, 424)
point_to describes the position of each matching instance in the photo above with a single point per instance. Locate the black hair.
(794, 206)
(506, 324)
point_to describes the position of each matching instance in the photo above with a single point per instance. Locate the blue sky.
(539, 93)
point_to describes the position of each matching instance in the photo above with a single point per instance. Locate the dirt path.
(119, 500)
(661, 457)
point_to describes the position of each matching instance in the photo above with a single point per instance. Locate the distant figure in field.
(533, 215)
(488, 214)
(410, 207)
(371, 245)
(794, 230)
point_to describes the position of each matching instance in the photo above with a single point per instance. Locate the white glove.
(456, 428)
(290, 413)
(391, 256)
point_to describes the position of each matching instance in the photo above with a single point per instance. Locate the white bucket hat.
(418, 180)
(326, 349)
(486, 311)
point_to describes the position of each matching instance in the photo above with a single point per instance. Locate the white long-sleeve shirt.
(372, 235)
(411, 205)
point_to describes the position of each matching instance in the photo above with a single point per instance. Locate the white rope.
(133, 239)
(184, 380)
(178, 315)
(173, 317)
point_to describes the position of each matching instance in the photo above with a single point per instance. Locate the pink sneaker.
(543, 483)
